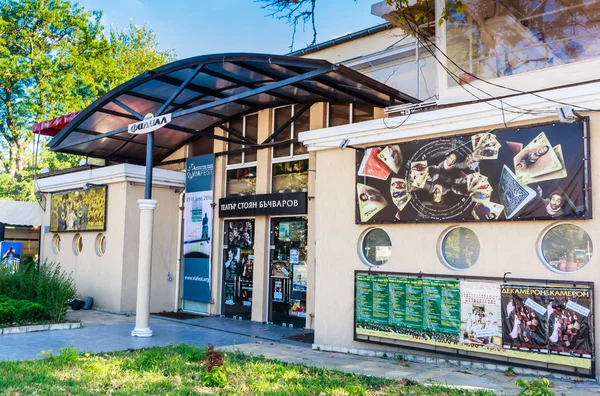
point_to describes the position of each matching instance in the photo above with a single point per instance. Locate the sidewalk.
(423, 373)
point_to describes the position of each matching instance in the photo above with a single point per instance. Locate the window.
(291, 176)
(494, 39)
(566, 248)
(56, 243)
(342, 114)
(248, 127)
(77, 244)
(459, 248)
(375, 247)
(241, 181)
(100, 244)
(301, 124)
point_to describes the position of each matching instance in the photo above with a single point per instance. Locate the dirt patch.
(308, 338)
(179, 315)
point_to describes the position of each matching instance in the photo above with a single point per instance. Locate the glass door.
(238, 263)
(288, 271)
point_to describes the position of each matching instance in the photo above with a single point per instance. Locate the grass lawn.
(180, 370)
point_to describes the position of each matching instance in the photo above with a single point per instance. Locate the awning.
(20, 213)
(55, 125)
(205, 92)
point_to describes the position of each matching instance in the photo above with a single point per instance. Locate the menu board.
(469, 315)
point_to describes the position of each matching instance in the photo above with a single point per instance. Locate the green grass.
(179, 370)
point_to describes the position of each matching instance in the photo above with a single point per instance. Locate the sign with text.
(197, 230)
(149, 124)
(535, 172)
(264, 205)
(541, 323)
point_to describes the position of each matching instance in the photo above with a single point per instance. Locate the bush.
(537, 387)
(19, 311)
(50, 287)
(215, 378)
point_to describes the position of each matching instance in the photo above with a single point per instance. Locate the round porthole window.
(459, 248)
(56, 243)
(375, 247)
(77, 244)
(100, 244)
(566, 248)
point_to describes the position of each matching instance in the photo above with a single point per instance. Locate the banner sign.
(78, 210)
(197, 230)
(547, 324)
(10, 255)
(149, 124)
(538, 172)
(264, 205)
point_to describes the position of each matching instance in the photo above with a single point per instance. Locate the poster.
(294, 256)
(480, 314)
(552, 325)
(299, 277)
(278, 290)
(78, 210)
(238, 266)
(523, 173)
(197, 229)
(10, 255)
(548, 320)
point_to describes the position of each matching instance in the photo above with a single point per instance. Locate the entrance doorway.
(238, 263)
(288, 271)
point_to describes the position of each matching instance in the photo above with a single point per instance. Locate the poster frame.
(587, 176)
(465, 354)
(90, 187)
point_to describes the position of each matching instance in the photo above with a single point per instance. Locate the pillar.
(142, 314)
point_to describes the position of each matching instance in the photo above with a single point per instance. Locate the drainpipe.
(179, 248)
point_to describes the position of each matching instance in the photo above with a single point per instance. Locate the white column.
(142, 307)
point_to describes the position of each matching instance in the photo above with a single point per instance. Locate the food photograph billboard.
(79, 210)
(552, 325)
(534, 172)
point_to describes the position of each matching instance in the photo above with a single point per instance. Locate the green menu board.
(423, 305)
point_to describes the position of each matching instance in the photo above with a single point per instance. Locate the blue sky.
(196, 27)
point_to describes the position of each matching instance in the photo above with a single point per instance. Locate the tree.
(296, 12)
(55, 59)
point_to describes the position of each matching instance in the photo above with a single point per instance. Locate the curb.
(36, 328)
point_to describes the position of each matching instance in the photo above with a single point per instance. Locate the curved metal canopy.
(204, 92)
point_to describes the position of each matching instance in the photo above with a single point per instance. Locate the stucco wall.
(99, 277)
(505, 246)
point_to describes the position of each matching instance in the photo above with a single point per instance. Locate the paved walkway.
(423, 373)
(104, 332)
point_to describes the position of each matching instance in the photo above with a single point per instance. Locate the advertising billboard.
(535, 172)
(539, 323)
(78, 210)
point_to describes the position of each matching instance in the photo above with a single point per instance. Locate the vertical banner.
(197, 230)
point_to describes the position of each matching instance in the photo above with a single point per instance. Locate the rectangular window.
(301, 124)
(241, 181)
(291, 176)
(494, 39)
(342, 114)
(248, 127)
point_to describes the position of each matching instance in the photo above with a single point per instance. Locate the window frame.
(440, 248)
(361, 240)
(540, 251)
(242, 164)
(292, 156)
(350, 114)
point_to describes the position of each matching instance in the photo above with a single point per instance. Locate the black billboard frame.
(466, 355)
(587, 184)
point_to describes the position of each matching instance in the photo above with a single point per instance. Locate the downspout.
(179, 248)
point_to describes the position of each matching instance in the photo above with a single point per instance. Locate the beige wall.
(112, 278)
(505, 246)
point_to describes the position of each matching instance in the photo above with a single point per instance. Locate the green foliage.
(215, 378)
(51, 287)
(537, 387)
(55, 59)
(19, 311)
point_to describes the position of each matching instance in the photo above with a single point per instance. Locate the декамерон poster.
(522, 173)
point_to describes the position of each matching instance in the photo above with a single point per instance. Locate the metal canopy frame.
(205, 92)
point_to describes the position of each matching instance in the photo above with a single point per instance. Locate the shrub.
(537, 387)
(215, 378)
(19, 311)
(50, 287)
(214, 358)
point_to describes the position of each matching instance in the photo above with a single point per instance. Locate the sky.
(199, 27)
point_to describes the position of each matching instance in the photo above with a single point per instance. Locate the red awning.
(53, 126)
